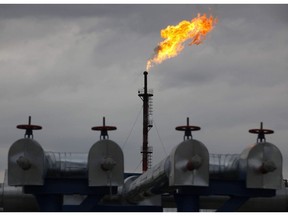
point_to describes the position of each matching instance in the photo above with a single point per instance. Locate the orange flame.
(175, 36)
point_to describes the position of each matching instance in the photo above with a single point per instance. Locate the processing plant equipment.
(188, 179)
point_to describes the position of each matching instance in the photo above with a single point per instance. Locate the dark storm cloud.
(139, 18)
(58, 10)
(258, 12)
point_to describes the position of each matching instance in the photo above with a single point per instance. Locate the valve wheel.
(104, 129)
(29, 127)
(263, 131)
(107, 128)
(188, 127)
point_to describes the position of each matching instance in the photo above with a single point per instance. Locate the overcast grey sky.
(69, 65)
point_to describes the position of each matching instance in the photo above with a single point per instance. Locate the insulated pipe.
(260, 165)
(152, 182)
(72, 165)
(29, 164)
(155, 181)
(221, 166)
(65, 164)
(187, 165)
(224, 166)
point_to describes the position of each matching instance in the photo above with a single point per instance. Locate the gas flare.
(175, 36)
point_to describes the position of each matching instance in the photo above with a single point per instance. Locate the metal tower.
(146, 95)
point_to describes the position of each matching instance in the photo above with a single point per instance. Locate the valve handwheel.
(104, 129)
(29, 128)
(261, 133)
(187, 129)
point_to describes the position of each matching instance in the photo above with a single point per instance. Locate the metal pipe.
(224, 166)
(260, 166)
(150, 183)
(65, 164)
(186, 165)
(155, 181)
(221, 166)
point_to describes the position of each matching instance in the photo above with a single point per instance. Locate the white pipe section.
(187, 165)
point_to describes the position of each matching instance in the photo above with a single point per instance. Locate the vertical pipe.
(145, 126)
